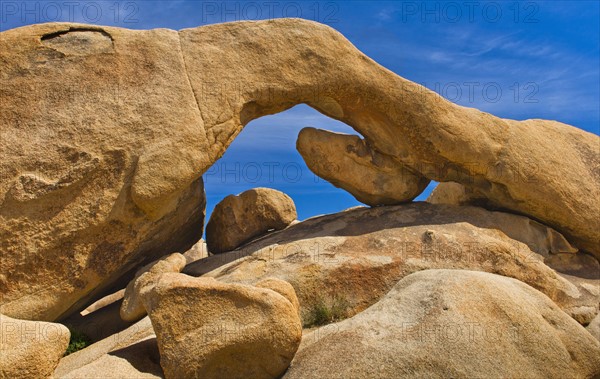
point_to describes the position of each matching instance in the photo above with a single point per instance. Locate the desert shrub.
(77, 342)
(325, 312)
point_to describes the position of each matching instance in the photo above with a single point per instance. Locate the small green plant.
(77, 342)
(325, 312)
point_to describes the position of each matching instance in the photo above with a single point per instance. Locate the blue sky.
(520, 60)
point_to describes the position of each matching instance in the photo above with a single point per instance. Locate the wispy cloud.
(386, 14)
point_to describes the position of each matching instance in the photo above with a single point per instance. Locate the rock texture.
(454, 194)
(581, 264)
(84, 107)
(132, 308)
(358, 255)
(545, 169)
(282, 287)
(229, 330)
(594, 327)
(103, 302)
(106, 132)
(30, 349)
(131, 353)
(451, 323)
(139, 360)
(196, 252)
(348, 162)
(238, 219)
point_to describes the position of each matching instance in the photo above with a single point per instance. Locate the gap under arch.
(264, 155)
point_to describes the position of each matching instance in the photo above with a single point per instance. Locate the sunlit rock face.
(348, 162)
(236, 220)
(359, 254)
(80, 106)
(461, 323)
(105, 133)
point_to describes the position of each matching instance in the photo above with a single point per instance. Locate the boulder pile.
(105, 134)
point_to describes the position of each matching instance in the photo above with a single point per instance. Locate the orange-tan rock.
(106, 132)
(132, 308)
(230, 331)
(545, 169)
(238, 219)
(83, 107)
(30, 349)
(452, 323)
(358, 255)
(347, 162)
(131, 353)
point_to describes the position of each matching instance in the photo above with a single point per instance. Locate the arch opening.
(264, 154)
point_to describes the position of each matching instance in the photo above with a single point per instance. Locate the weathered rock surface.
(581, 264)
(106, 132)
(541, 239)
(30, 349)
(131, 353)
(238, 219)
(454, 194)
(359, 254)
(348, 162)
(196, 252)
(132, 308)
(233, 330)
(282, 287)
(545, 169)
(136, 361)
(104, 302)
(84, 107)
(560, 259)
(582, 270)
(452, 323)
(594, 327)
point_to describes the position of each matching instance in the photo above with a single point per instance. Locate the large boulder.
(106, 132)
(30, 349)
(355, 257)
(238, 219)
(348, 162)
(452, 323)
(228, 330)
(132, 308)
(81, 105)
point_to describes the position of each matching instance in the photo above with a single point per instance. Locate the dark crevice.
(59, 33)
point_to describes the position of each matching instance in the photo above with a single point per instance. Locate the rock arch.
(245, 70)
(167, 104)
